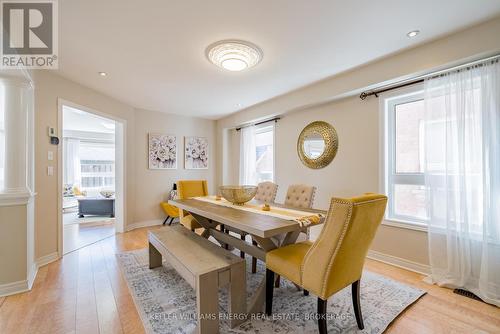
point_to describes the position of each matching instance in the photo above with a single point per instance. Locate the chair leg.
(242, 253)
(165, 221)
(322, 316)
(269, 291)
(356, 304)
(277, 282)
(171, 221)
(306, 292)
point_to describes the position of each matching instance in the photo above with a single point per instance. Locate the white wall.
(356, 167)
(49, 87)
(144, 188)
(13, 236)
(153, 185)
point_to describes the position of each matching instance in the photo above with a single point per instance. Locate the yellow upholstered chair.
(335, 260)
(299, 196)
(187, 189)
(171, 211)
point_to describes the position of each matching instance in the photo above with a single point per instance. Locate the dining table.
(268, 231)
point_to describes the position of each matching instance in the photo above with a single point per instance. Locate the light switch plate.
(50, 170)
(51, 132)
(50, 155)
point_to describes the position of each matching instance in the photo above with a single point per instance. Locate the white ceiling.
(154, 51)
(78, 120)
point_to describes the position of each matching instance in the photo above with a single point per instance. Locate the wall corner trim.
(419, 268)
(32, 275)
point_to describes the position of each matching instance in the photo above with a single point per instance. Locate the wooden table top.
(253, 223)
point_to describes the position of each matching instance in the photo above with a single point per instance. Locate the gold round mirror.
(317, 145)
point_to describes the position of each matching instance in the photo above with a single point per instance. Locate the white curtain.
(248, 156)
(71, 161)
(462, 175)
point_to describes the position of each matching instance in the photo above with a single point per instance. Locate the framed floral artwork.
(162, 151)
(195, 153)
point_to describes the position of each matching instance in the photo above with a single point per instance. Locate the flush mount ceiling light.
(413, 33)
(233, 55)
(103, 74)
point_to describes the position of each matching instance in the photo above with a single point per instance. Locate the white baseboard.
(399, 262)
(25, 285)
(13, 288)
(46, 259)
(145, 223)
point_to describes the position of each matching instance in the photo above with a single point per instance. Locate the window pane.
(97, 165)
(264, 138)
(410, 201)
(409, 137)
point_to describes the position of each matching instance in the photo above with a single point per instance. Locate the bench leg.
(238, 296)
(207, 303)
(154, 257)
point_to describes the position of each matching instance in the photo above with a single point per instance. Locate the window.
(264, 147)
(404, 178)
(256, 154)
(97, 164)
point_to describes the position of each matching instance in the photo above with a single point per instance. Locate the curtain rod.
(275, 119)
(421, 78)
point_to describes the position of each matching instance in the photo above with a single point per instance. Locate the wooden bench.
(206, 267)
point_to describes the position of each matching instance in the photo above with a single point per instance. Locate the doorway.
(91, 178)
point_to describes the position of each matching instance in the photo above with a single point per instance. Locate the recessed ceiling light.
(413, 33)
(233, 55)
(103, 74)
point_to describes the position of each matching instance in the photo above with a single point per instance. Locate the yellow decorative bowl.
(238, 195)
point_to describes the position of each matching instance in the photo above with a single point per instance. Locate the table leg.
(259, 297)
(258, 301)
(208, 224)
(256, 305)
(154, 257)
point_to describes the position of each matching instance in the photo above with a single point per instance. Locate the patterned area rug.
(167, 304)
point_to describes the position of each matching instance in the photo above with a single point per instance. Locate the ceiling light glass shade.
(234, 55)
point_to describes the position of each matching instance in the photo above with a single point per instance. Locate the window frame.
(389, 178)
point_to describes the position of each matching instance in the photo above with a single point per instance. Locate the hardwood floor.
(86, 293)
(80, 235)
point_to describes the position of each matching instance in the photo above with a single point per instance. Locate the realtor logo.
(29, 34)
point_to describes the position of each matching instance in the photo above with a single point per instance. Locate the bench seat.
(206, 267)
